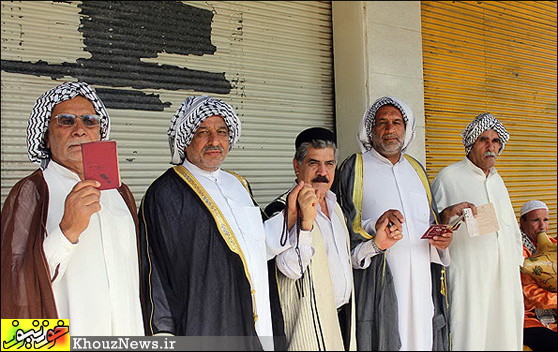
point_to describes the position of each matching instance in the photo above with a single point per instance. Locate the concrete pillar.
(377, 48)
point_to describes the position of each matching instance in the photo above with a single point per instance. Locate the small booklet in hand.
(439, 230)
(100, 163)
(435, 230)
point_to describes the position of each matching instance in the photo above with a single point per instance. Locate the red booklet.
(438, 230)
(435, 230)
(100, 163)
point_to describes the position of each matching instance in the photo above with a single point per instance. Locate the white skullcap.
(532, 205)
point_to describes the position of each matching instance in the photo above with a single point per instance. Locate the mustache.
(392, 135)
(320, 178)
(492, 154)
(212, 147)
(73, 143)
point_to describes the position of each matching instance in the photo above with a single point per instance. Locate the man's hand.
(443, 241)
(306, 198)
(456, 209)
(308, 202)
(81, 203)
(389, 229)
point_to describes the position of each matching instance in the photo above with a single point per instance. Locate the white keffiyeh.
(37, 125)
(188, 118)
(369, 119)
(481, 123)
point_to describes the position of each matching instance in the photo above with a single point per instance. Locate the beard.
(390, 147)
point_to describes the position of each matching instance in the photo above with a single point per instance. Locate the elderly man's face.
(534, 222)
(485, 150)
(388, 133)
(317, 169)
(65, 142)
(210, 144)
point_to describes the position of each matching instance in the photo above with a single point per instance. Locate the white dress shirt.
(335, 242)
(96, 280)
(245, 221)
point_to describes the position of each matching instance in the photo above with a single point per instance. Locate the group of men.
(336, 262)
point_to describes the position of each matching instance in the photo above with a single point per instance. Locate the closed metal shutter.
(498, 57)
(271, 60)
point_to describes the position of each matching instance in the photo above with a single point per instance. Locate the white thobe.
(387, 186)
(245, 221)
(484, 282)
(96, 280)
(333, 230)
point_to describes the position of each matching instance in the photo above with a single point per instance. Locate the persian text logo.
(35, 334)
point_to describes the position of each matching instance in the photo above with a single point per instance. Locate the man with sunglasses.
(69, 250)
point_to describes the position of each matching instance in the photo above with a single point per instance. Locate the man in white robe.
(485, 286)
(382, 186)
(81, 261)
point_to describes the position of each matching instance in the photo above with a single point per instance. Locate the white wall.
(377, 51)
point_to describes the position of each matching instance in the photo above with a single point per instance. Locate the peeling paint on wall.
(118, 35)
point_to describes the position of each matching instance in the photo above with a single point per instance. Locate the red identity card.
(436, 230)
(439, 230)
(100, 163)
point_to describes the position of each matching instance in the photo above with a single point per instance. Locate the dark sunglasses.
(68, 120)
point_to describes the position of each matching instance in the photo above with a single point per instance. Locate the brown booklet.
(100, 163)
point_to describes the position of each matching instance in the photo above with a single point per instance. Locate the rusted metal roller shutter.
(498, 57)
(271, 60)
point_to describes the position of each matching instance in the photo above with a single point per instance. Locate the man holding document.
(486, 253)
(400, 281)
(69, 249)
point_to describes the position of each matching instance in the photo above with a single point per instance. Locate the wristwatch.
(376, 248)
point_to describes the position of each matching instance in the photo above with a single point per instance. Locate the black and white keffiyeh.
(369, 119)
(189, 116)
(481, 123)
(37, 125)
(527, 243)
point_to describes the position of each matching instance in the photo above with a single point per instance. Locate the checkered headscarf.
(369, 119)
(37, 125)
(528, 243)
(481, 123)
(189, 116)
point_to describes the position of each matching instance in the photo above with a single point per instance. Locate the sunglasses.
(68, 120)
